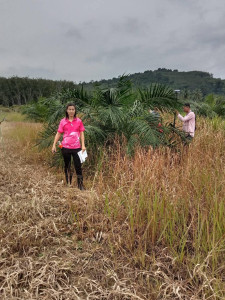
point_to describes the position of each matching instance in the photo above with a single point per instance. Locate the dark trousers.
(188, 140)
(67, 154)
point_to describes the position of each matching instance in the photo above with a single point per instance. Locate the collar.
(188, 113)
(68, 121)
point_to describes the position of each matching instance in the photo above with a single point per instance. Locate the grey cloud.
(74, 32)
(3, 50)
(213, 36)
(83, 40)
(29, 71)
(131, 26)
(112, 55)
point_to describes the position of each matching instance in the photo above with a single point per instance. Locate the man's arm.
(186, 118)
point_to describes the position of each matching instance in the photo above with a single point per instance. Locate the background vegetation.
(115, 113)
(195, 85)
(19, 91)
(123, 113)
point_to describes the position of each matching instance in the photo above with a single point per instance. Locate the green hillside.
(193, 80)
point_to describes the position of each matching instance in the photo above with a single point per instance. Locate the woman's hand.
(57, 137)
(83, 148)
(53, 149)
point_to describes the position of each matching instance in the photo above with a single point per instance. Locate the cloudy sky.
(81, 40)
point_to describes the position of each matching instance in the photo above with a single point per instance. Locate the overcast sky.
(81, 40)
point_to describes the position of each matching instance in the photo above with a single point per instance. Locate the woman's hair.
(71, 104)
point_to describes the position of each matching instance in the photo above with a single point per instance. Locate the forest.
(19, 91)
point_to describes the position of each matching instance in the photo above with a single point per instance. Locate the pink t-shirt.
(71, 132)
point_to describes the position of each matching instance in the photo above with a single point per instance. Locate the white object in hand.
(82, 155)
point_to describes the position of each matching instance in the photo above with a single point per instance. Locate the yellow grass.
(11, 114)
(23, 137)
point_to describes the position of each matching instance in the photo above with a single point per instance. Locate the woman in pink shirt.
(73, 142)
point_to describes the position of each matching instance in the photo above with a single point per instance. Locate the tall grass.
(173, 201)
(182, 183)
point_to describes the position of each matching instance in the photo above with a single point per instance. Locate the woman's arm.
(82, 141)
(57, 137)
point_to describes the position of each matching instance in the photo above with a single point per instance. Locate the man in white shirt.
(188, 121)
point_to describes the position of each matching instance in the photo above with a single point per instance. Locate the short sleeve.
(60, 128)
(81, 126)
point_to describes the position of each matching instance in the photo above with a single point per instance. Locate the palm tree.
(197, 95)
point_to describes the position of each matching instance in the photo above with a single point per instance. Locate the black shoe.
(80, 182)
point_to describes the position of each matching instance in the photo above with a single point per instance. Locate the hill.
(193, 80)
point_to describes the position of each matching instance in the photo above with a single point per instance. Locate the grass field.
(11, 114)
(156, 221)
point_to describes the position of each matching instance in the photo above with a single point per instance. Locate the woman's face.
(71, 111)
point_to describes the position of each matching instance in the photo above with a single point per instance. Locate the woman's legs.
(77, 163)
(78, 168)
(67, 164)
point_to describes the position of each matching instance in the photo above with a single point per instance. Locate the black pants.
(67, 153)
(188, 140)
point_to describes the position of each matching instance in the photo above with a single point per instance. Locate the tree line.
(194, 85)
(19, 91)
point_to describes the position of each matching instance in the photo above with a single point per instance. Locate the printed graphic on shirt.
(72, 140)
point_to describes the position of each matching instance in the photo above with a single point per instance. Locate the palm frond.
(94, 135)
(143, 131)
(46, 136)
(160, 96)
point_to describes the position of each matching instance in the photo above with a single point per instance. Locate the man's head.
(187, 107)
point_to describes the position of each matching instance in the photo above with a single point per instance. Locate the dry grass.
(23, 137)
(43, 253)
(11, 114)
(150, 227)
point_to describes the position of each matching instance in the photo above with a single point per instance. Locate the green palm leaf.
(160, 96)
